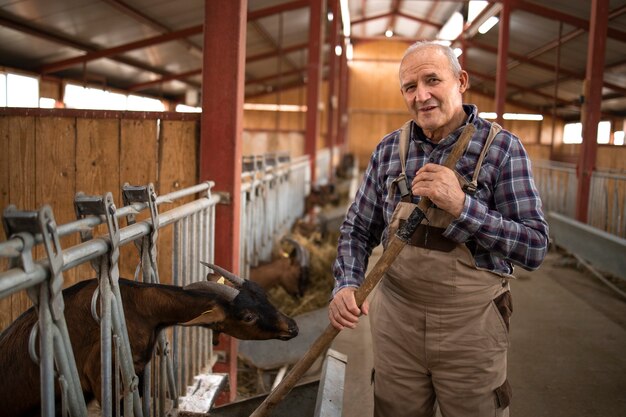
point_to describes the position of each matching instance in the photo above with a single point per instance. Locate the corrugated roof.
(37, 33)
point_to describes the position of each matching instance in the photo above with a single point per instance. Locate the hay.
(321, 281)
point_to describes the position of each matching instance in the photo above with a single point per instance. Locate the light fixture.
(618, 137)
(345, 17)
(512, 116)
(338, 50)
(274, 107)
(489, 23)
(330, 16)
(389, 33)
(491, 11)
(452, 28)
(474, 8)
(349, 51)
(522, 116)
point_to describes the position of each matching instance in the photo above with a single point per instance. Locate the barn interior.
(150, 135)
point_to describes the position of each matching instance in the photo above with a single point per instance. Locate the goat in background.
(290, 272)
(241, 310)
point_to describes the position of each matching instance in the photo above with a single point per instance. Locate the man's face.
(431, 91)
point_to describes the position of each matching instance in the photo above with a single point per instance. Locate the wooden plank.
(178, 168)
(22, 182)
(97, 166)
(138, 166)
(55, 161)
(5, 303)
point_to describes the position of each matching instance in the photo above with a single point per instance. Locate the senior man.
(440, 316)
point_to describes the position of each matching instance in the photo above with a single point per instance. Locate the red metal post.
(221, 136)
(331, 108)
(314, 76)
(342, 113)
(503, 57)
(590, 110)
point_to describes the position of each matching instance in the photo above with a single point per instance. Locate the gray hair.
(455, 66)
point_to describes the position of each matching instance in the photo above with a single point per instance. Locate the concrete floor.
(568, 347)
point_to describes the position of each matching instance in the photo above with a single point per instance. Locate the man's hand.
(442, 187)
(343, 311)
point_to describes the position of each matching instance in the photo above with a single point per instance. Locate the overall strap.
(473, 185)
(451, 160)
(405, 134)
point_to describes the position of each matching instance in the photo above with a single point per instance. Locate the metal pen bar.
(16, 245)
(14, 280)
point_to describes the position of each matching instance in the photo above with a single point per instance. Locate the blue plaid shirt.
(502, 224)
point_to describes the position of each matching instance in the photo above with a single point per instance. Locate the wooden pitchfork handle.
(396, 244)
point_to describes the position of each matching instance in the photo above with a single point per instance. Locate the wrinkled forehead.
(427, 58)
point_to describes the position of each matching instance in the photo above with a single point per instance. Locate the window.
(77, 97)
(3, 90)
(22, 91)
(573, 132)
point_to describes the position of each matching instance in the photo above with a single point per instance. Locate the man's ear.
(214, 315)
(463, 81)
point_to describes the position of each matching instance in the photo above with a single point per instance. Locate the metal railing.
(272, 198)
(557, 183)
(273, 193)
(193, 242)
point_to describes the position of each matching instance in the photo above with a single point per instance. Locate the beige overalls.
(437, 331)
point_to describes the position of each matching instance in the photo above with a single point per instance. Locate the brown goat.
(291, 272)
(242, 311)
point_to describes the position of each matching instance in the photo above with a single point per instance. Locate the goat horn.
(226, 274)
(302, 254)
(229, 293)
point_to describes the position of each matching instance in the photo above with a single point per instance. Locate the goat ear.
(214, 315)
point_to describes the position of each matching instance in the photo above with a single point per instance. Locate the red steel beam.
(590, 112)
(274, 76)
(221, 136)
(179, 76)
(116, 50)
(275, 53)
(537, 9)
(147, 20)
(395, 9)
(420, 20)
(331, 102)
(269, 11)
(369, 18)
(503, 56)
(314, 76)
(543, 65)
(429, 15)
(29, 28)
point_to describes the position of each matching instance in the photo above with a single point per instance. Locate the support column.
(503, 57)
(342, 112)
(332, 83)
(224, 54)
(314, 73)
(590, 110)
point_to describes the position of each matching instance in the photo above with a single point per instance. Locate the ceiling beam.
(171, 77)
(269, 11)
(116, 50)
(395, 9)
(543, 65)
(420, 20)
(30, 28)
(148, 21)
(275, 53)
(537, 9)
(429, 15)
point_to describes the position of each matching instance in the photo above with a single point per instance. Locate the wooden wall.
(376, 108)
(46, 159)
